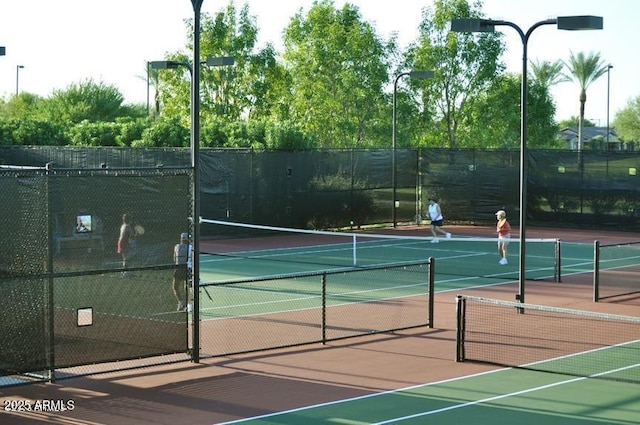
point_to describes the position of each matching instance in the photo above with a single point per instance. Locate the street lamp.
(608, 94)
(410, 74)
(220, 61)
(195, 158)
(488, 25)
(18, 68)
(148, 104)
(170, 65)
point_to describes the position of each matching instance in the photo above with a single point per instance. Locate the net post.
(323, 326)
(596, 270)
(460, 319)
(355, 256)
(432, 274)
(558, 261)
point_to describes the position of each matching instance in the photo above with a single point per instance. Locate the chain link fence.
(68, 298)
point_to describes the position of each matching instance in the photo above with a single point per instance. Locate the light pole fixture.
(220, 61)
(170, 65)
(18, 68)
(608, 97)
(410, 74)
(571, 23)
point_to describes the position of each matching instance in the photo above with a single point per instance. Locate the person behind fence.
(124, 241)
(435, 214)
(503, 229)
(182, 258)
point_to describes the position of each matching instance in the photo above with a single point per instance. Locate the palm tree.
(585, 69)
(152, 78)
(548, 73)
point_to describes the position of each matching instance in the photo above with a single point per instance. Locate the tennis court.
(595, 385)
(402, 377)
(245, 251)
(582, 385)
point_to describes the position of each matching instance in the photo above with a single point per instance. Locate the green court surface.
(504, 396)
(473, 257)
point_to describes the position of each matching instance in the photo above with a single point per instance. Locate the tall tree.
(152, 78)
(232, 92)
(466, 65)
(627, 121)
(547, 73)
(584, 69)
(338, 69)
(496, 113)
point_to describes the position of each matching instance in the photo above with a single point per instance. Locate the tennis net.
(287, 250)
(548, 339)
(617, 270)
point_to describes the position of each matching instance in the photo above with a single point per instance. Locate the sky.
(62, 42)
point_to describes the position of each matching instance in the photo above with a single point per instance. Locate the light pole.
(194, 71)
(488, 25)
(411, 74)
(18, 68)
(195, 165)
(608, 95)
(148, 66)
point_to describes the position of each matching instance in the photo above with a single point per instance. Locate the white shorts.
(504, 240)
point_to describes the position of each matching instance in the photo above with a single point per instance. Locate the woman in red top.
(503, 228)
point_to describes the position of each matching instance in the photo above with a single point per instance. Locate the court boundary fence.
(351, 320)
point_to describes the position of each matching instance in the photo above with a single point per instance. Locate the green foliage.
(164, 132)
(338, 68)
(88, 133)
(467, 64)
(329, 88)
(584, 69)
(212, 134)
(85, 101)
(548, 74)
(131, 130)
(574, 121)
(286, 135)
(29, 131)
(627, 121)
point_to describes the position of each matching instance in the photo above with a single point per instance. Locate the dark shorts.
(180, 274)
(437, 223)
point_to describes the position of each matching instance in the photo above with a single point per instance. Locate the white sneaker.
(435, 240)
(189, 308)
(448, 235)
(503, 261)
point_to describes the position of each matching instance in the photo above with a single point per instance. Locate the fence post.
(50, 282)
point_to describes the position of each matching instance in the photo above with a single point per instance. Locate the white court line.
(502, 396)
(430, 412)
